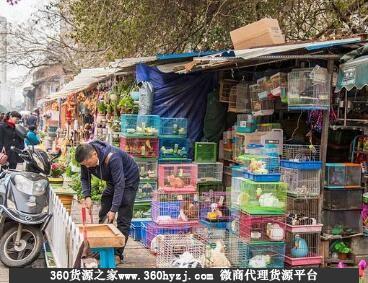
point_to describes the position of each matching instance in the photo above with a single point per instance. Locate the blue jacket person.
(121, 174)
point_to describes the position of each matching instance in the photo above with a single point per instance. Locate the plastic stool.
(107, 257)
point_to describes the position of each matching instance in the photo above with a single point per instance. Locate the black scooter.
(24, 211)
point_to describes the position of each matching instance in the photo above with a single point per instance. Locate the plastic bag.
(145, 98)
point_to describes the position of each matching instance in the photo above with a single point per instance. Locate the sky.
(19, 13)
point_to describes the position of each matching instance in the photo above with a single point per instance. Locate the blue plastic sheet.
(180, 96)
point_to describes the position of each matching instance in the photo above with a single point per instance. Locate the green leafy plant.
(97, 187)
(101, 107)
(57, 169)
(340, 247)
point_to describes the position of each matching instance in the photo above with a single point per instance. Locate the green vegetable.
(340, 247)
(101, 107)
(97, 187)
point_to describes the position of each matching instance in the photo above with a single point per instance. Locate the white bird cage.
(302, 182)
(210, 172)
(239, 99)
(180, 251)
(309, 88)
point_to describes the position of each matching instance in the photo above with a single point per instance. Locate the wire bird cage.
(301, 153)
(309, 88)
(155, 233)
(215, 240)
(140, 147)
(174, 127)
(343, 175)
(261, 168)
(239, 100)
(247, 124)
(180, 251)
(140, 125)
(236, 184)
(145, 190)
(303, 214)
(254, 255)
(261, 228)
(226, 85)
(215, 207)
(279, 84)
(261, 104)
(263, 198)
(342, 199)
(205, 152)
(210, 187)
(177, 177)
(147, 169)
(302, 182)
(175, 208)
(302, 248)
(347, 222)
(173, 149)
(210, 172)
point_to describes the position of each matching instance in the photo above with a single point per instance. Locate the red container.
(140, 147)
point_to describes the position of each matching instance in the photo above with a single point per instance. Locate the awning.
(85, 79)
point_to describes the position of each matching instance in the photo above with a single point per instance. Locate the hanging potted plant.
(341, 249)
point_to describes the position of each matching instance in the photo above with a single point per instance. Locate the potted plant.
(57, 171)
(341, 249)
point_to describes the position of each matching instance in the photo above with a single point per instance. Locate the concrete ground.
(136, 255)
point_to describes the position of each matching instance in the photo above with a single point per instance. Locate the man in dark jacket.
(120, 172)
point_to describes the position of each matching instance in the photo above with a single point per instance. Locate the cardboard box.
(264, 32)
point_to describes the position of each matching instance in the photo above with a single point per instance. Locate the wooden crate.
(104, 236)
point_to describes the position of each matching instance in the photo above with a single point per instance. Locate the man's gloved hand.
(110, 217)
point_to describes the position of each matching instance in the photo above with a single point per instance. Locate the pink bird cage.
(261, 228)
(140, 147)
(177, 177)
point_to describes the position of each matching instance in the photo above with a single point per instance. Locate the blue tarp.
(181, 96)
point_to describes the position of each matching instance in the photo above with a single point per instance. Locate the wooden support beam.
(324, 140)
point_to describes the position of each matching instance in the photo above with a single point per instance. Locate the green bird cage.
(205, 152)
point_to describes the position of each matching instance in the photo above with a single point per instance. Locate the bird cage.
(303, 214)
(262, 228)
(278, 84)
(173, 149)
(343, 222)
(304, 157)
(261, 104)
(343, 175)
(215, 240)
(261, 168)
(209, 187)
(342, 199)
(302, 182)
(180, 251)
(147, 169)
(309, 88)
(156, 232)
(145, 190)
(263, 198)
(177, 177)
(205, 152)
(246, 125)
(239, 100)
(215, 207)
(254, 255)
(174, 127)
(236, 184)
(140, 147)
(140, 125)
(210, 172)
(175, 208)
(302, 248)
(226, 86)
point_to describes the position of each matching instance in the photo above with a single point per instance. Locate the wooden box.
(104, 236)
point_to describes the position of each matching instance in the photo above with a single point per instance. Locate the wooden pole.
(324, 140)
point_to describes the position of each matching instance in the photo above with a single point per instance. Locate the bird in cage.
(215, 257)
(259, 261)
(186, 260)
(300, 248)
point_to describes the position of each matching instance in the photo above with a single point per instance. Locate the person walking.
(121, 173)
(9, 138)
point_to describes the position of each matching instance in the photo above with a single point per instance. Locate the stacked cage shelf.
(342, 197)
(139, 138)
(301, 170)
